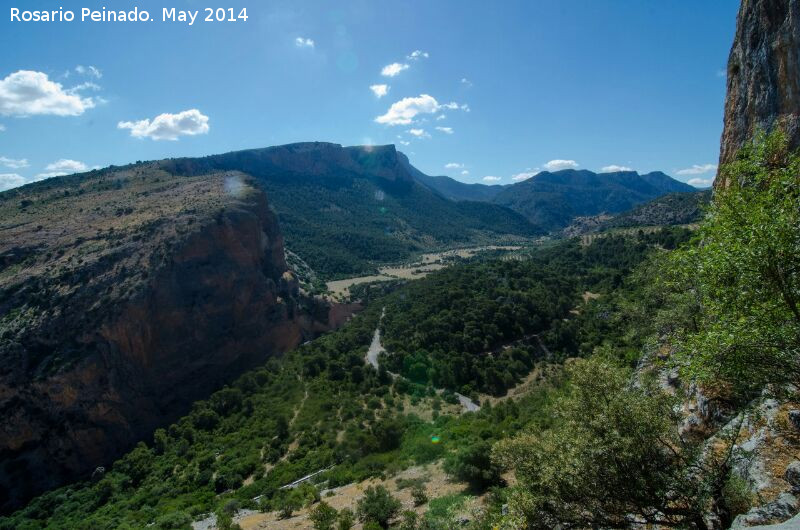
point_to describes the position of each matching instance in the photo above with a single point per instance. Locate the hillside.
(673, 209)
(553, 200)
(345, 209)
(125, 295)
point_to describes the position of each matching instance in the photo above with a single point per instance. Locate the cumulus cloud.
(490, 178)
(417, 54)
(453, 165)
(379, 90)
(301, 42)
(525, 175)
(11, 180)
(446, 130)
(66, 165)
(556, 165)
(404, 111)
(697, 169)
(89, 71)
(168, 126)
(391, 70)
(29, 93)
(613, 168)
(700, 182)
(13, 163)
(419, 133)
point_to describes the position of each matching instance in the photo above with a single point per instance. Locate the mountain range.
(551, 200)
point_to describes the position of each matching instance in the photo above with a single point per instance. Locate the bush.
(323, 516)
(473, 464)
(419, 495)
(378, 506)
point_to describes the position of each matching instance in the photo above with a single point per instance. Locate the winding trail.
(376, 348)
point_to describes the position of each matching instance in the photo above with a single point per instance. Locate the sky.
(489, 92)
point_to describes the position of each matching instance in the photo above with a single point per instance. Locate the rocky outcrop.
(763, 75)
(218, 300)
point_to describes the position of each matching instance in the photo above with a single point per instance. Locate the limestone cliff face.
(763, 74)
(220, 302)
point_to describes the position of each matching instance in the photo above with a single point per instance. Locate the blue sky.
(497, 90)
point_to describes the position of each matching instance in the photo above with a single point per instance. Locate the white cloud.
(404, 111)
(525, 175)
(464, 172)
(11, 180)
(88, 85)
(169, 126)
(446, 130)
(66, 165)
(90, 71)
(419, 133)
(29, 93)
(2, 127)
(391, 70)
(440, 117)
(555, 165)
(403, 142)
(453, 165)
(466, 82)
(490, 178)
(700, 183)
(417, 54)
(13, 163)
(379, 90)
(613, 168)
(697, 169)
(301, 42)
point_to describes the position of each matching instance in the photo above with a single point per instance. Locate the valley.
(320, 336)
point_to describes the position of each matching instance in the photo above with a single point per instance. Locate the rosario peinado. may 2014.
(168, 14)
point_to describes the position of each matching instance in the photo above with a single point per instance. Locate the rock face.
(763, 75)
(88, 374)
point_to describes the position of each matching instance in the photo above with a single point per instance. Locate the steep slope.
(346, 209)
(673, 209)
(126, 294)
(763, 75)
(553, 200)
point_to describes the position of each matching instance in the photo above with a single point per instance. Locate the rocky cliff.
(125, 295)
(763, 74)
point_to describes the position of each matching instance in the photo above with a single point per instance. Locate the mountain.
(460, 191)
(763, 76)
(672, 209)
(553, 200)
(345, 209)
(125, 295)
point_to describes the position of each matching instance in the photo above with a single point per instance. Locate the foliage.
(744, 274)
(418, 495)
(378, 506)
(323, 516)
(613, 450)
(472, 464)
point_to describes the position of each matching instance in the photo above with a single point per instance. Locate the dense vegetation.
(474, 328)
(346, 210)
(727, 305)
(322, 408)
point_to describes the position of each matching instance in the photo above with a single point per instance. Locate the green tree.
(612, 450)
(346, 519)
(378, 506)
(744, 274)
(473, 464)
(323, 516)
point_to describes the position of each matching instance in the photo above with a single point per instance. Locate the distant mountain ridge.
(346, 209)
(552, 200)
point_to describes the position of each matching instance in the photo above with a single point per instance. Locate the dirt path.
(376, 348)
